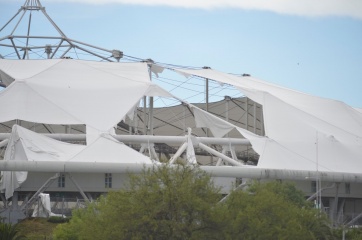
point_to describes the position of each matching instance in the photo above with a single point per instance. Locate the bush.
(56, 219)
(10, 232)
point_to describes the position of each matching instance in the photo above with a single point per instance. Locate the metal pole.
(244, 171)
(145, 139)
(144, 115)
(4, 142)
(254, 108)
(227, 98)
(218, 154)
(207, 97)
(151, 108)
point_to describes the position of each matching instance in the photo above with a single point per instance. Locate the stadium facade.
(75, 128)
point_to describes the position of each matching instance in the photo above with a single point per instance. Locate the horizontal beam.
(147, 139)
(216, 171)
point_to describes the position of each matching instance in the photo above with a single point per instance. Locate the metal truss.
(28, 46)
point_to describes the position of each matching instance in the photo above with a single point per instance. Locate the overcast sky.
(307, 45)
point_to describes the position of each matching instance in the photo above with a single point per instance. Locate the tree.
(181, 202)
(164, 202)
(274, 210)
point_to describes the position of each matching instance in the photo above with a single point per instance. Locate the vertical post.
(150, 116)
(247, 122)
(184, 118)
(15, 198)
(254, 117)
(144, 115)
(246, 113)
(227, 98)
(207, 100)
(207, 106)
(207, 97)
(333, 213)
(262, 130)
(135, 122)
(318, 180)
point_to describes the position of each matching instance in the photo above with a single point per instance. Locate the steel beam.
(146, 139)
(216, 171)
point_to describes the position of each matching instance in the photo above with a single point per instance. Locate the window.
(347, 187)
(108, 180)
(313, 186)
(61, 180)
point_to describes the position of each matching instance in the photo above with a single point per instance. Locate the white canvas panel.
(155, 90)
(24, 69)
(38, 147)
(303, 132)
(217, 126)
(359, 110)
(332, 111)
(26, 145)
(220, 127)
(108, 149)
(92, 93)
(20, 101)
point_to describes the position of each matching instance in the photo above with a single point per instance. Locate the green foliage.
(36, 228)
(274, 210)
(9, 232)
(161, 203)
(351, 233)
(55, 219)
(181, 202)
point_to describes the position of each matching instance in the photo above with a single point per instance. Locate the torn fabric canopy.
(304, 132)
(30, 146)
(66, 91)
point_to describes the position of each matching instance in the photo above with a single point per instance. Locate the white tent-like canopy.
(66, 91)
(26, 145)
(303, 132)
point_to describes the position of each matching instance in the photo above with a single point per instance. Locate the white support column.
(146, 139)
(135, 121)
(40, 190)
(150, 61)
(150, 117)
(241, 186)
(144, 115)
(207, 97)
(143, 147)
(220, 161)
(178, 153)
(242, 171)
(4, 142)
(233, 153)
(153, 151)
(218, 154)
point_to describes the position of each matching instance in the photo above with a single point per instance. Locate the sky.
(306, 45)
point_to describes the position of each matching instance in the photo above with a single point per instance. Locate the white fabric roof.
(66, 91)
(30, 146)
(303, 132)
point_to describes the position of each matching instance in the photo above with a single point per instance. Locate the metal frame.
(51, 48)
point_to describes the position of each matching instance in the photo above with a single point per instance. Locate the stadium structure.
(75, 119)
